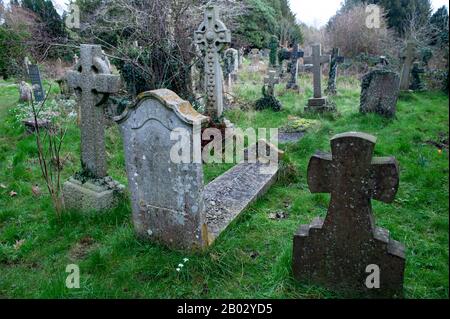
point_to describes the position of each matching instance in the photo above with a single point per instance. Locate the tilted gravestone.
(36, 82)
(170, 203)
(416, 80)
(346, 252)
(92, 81)
(295, 55)
(408, 59)
(379, 92)
(336, 59)
(318, 102)
(211, 37)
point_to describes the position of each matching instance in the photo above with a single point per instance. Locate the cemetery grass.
(252, 259)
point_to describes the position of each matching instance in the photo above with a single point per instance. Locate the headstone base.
(320, 105)
(314, 264)
(92, 195)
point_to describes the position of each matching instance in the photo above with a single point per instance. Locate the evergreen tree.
(48, 14)
(439, 23)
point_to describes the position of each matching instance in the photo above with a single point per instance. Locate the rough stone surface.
(332, 75)
(211, 37)
(92, 82)
(36, 82)
(97, 196)
(379, 92)
(408, 58)
(255, 59)
(336, 252)
(230, 194)
(295, 55)
(317, 60)
(270, 81)
(25, 92)
(166, 196)
(416, 80)
(30, 125)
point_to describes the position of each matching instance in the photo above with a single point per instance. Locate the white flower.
(178, 269)
(180, 266)
(185, 260)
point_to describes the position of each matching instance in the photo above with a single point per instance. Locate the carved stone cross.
(408, 60)
(93, 82)
(336, 59)
(338, 251)
(211, 37)
(317, 60)
(295, 55)
(271, 80)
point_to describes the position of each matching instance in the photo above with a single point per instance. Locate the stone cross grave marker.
(93, 82)
(336, 59)
(317, 60)
(36, 82)
(270, 81)
(211, 37)
(408, 60)
(170, 203)
(295, 55)
(342, 251)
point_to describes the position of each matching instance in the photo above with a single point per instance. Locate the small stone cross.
(317, 60)
(271, 80)
(336, 252)
(295, 55)
(336, 59)
(93, 82)
(211, 37)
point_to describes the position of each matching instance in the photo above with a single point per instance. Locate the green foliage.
(48, 14)
(273, 51)
(439, 24)
(11, 53)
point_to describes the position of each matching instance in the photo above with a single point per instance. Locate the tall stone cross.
(271, 80)
(408, 60)
(336, 59)
(93, 82)
(295, 55)
(317, 60)
(344, 250)
(211, 37)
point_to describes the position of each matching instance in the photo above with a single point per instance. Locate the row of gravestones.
(171, 204)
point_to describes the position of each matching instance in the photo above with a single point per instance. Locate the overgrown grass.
(252, 259)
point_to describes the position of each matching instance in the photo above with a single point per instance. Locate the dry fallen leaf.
(18, 244)
(3, 186)
(36, 191)
(13, 194)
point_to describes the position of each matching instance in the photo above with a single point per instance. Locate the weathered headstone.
(336, 59)
(170, 203)
(379, 92)
(408, 58)
(416, 80)
(25, 92)
(231, 65)
(318, 102)
(36, 82)
(27, 63)
(344, 250)
(241, 57)
(255, 59)
(211, 38)
(92, 81)
(270, 81)
(295, 55)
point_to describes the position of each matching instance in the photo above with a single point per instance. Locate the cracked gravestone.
(170, 202)
(318, 102)
(379, 92)
(92, 81)
(337, 252)
(211, 38)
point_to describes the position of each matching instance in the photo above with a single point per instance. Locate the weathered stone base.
(91, 195)
(317, 260)
(320, 105)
